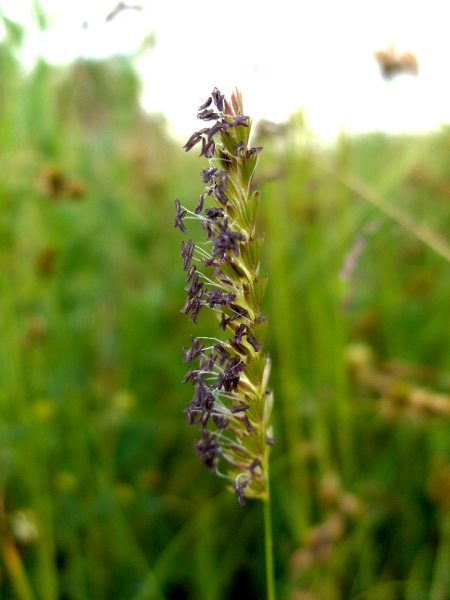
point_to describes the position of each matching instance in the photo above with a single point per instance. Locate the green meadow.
(102, 496)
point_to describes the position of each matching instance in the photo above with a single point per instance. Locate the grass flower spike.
(232, 403)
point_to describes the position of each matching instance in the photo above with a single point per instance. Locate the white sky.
(283, 54)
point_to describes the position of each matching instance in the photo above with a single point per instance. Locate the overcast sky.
(315, 54)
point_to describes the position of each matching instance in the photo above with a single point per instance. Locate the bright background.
(284, 55)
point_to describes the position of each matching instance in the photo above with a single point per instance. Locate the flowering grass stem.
(268, 537)
(232, 402)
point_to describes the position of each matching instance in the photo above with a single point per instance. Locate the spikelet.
(232, 403)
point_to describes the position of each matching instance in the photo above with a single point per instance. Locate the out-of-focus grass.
(348, 281)
(101, 494)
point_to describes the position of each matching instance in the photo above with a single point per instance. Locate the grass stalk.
(441, 576)
(268, 541)
(14, 566)
(232, 401)
(428, 236)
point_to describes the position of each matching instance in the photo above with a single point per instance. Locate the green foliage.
(101, 495)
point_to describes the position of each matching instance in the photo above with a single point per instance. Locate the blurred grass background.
(101, 494)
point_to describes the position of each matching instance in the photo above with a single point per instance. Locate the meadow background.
(101, 494)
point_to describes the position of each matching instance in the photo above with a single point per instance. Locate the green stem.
(269, 550)
(441, 579)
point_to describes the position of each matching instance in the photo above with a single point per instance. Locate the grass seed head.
(232, 402)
